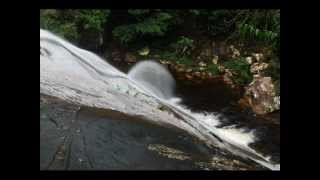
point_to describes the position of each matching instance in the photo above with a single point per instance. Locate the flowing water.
(82, 78)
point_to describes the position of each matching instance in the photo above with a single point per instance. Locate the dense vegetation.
(172, 34)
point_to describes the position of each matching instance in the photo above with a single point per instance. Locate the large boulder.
(256, 68)
(260, 96)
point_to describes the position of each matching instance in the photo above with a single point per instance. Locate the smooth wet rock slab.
(74, 138)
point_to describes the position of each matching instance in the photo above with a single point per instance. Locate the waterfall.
(79, 76)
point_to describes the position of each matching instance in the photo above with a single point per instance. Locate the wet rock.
(215, 59)
(258, 56)
(260, 96)
(44, 52)
(197, 74)
(258, 67)
(189, 70)
(179, 66)
(249, 60)
(189, 77)
(203, 75)
(168, 152)
(227, 77)
(165, 62)
(276, 101)
(202, 64)
(144, 52)
(221, 68)
(228, 73)
(109, 141)
(180, 70)
(235, 52)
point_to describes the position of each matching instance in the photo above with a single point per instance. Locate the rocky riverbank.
(244, 70)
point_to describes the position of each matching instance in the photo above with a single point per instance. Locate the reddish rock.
(197, 74)
(189, 77)
(260, 96)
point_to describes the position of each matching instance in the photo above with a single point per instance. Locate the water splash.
(153, 78)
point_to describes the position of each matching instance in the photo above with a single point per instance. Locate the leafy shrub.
(213, 68)
(92, 19)
(74, 24)
(242, 68)
(262, 26)
(53, 21)
(184, 60)
(156, 24)
(183, 46)
(219, 22)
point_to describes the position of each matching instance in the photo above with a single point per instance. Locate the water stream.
(81, 77)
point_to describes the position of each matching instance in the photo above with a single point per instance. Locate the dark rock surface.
(81, 138)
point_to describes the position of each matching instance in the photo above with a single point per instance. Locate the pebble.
(215, 60)
(202, 64)
(189, 70)
(249, 60)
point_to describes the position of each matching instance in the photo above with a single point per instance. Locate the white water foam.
(236, 136)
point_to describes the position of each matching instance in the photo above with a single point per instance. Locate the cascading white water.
(155, 79)
(77, 75)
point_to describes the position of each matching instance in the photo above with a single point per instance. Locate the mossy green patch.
(242, 68)
(213, 68)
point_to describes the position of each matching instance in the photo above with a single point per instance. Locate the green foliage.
(219, 22)
(242, 68)
(184, 60)
(69, 23)
(155, 24)
(251, 32)
(92, 19)
(181, 29)
(124, 33)
(213, 68)
(150, 24)
(261, 26)
(183, 46)
(53, 21)
(173, 56)
(168, 55)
